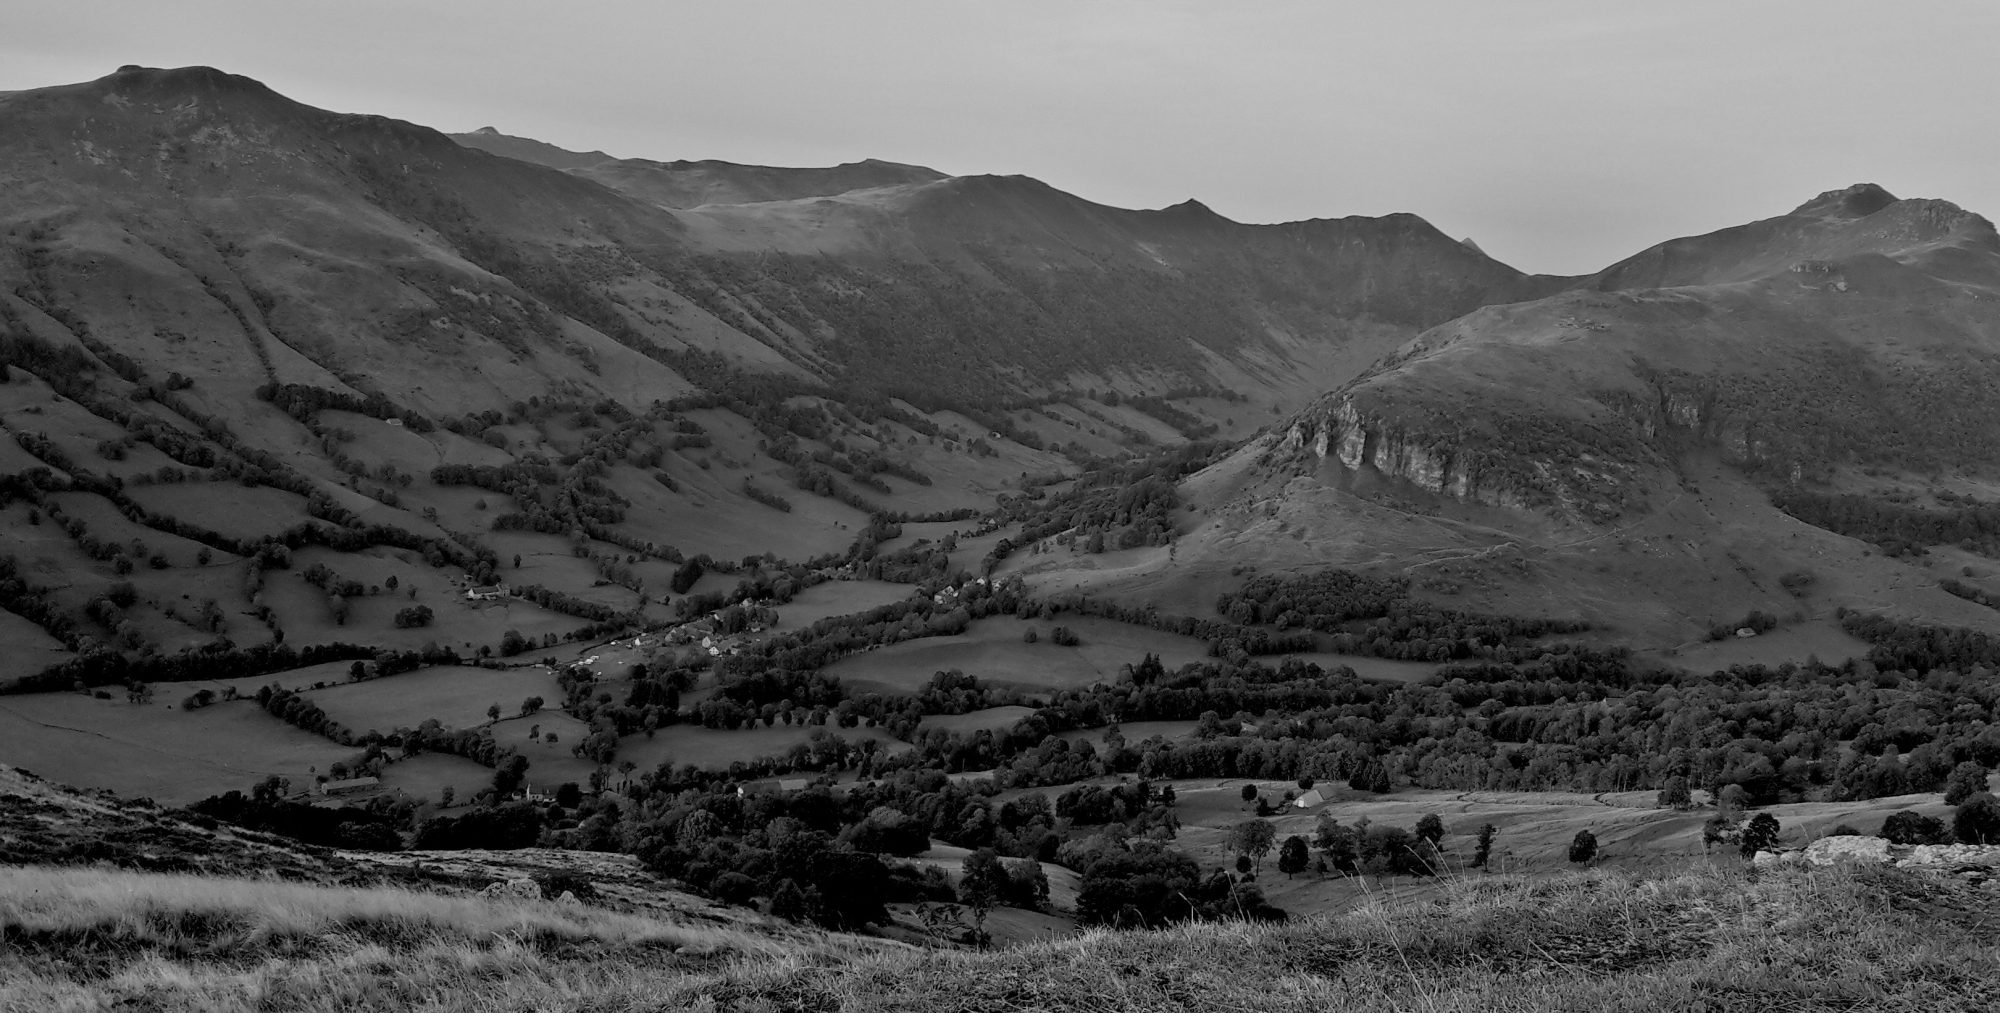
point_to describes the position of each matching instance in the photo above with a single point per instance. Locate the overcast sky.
(1560, 136)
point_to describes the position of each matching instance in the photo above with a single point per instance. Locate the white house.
(1310, 800)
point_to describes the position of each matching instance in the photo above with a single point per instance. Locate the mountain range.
(1403, 398)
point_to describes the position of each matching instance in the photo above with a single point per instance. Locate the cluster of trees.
(1376, 616)
(303, 402)
(1970, 593)
(1897, 528)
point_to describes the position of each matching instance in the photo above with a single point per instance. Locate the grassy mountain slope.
(1611, 451)
(1833, 939)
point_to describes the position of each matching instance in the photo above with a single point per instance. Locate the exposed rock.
(1834, 850)
(1765, 859)
(1952, 854)
(513, 889)
(569, 899)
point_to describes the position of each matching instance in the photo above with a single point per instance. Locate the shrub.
(1978, 820)
(1908, 827)
(1965, 780)
(1583, 847)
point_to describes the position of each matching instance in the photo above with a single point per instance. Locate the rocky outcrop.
(514, 890)
(1976, 863)
(1542, 465)
(1846, 848)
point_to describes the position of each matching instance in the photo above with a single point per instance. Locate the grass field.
(992, 718)
(549, 763)
(304, 612)
(714, 748)
(157, 750)
(1133, 731)
(455, 695)
(837, 598)
(994, 650)
(424, 777)
(261, 512)
(29, 648)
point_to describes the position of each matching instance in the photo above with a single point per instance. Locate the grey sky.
(1559, 135)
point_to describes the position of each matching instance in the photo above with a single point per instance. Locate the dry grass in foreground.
(1708, 938)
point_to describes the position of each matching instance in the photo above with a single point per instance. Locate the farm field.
(1133, 731)
(330, 673)
(157, 750)
(259, 512)
(424, 777)
(837, 598)
(1820, 637)
(460, 624)
(549, 763)
(29, 648)
(716, 748)
(457, 696)
(990, 718)
(995, 651)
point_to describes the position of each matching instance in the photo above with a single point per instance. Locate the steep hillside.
(197, 222)
(1618, 450)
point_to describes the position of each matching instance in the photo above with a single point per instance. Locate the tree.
(530, 706)
(1253, 838)
(1484, 849)
(1908, 827)
(270, 790)
(980, 883)
(1719, 829)
(1674, 794)
(1760, 835)
(791, 903)
(1583, 847)
(1978, 820)
(1249, 793)
(512, 643)
(1430, 830)
(1292, 856)
(1965, 780)
(493, 713)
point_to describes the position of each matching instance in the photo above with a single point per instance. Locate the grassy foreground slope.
(1707, 938)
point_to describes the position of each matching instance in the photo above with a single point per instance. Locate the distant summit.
(527, 149)
(1857, 201)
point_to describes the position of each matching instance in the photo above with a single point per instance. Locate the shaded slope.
(1871, 345)
(333, 247)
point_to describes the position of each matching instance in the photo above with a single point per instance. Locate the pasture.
(157, 750)
(989, 719)
(260, 512)
(457, 696)
(995, 650)
(29, 648)
(549, 763)
(424, 777)
(837, 598)
(716, 748)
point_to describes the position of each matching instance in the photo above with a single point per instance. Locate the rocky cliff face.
(1569, 472)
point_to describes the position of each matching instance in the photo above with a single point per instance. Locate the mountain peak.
(1857, 201)
(134, 78)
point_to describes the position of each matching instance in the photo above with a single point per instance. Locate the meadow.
(157, 750)
(995, 650)
(457, 696)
